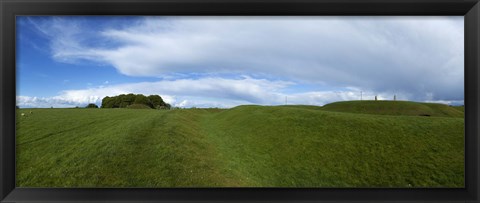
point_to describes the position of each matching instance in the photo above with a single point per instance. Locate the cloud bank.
(419, 58)
(207, 92)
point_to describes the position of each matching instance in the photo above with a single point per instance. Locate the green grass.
(246, 146)
(460, 108)
(394, 108)
(138, 106)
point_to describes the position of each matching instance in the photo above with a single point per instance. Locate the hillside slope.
(246, 146)
(291, 146)
(394, 108)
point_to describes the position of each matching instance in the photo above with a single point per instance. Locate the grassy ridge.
(271, 146)
(284, 146)
(460, 108)
(394, 108)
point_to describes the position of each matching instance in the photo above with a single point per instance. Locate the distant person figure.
(375, 97)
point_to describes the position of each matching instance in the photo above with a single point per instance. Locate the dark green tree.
(91, 105)
(108, 102)
(156, 101)
(126, 100)
(142, 99)
(129, 99)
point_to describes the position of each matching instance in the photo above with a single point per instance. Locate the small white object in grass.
(23, 114)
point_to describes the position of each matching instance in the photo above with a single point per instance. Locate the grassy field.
(395, 108)
(348, 144)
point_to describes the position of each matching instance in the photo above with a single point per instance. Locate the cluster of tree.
(125, 100)
(91, 105)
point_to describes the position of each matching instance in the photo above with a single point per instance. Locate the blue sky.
(227, 61)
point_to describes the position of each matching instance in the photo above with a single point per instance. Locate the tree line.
(126, 100)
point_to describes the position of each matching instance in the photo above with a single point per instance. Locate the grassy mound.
(406, 108)
(246, 146)
(302, 107)
(460, 108)
(286, 146)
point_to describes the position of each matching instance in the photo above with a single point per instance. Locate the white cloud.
(206, 92)
(46, 102)
(413, 55)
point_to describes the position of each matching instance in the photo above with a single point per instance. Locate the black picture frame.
(470, 9)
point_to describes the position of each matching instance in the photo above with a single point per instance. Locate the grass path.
(138, 148)
(247, 146)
